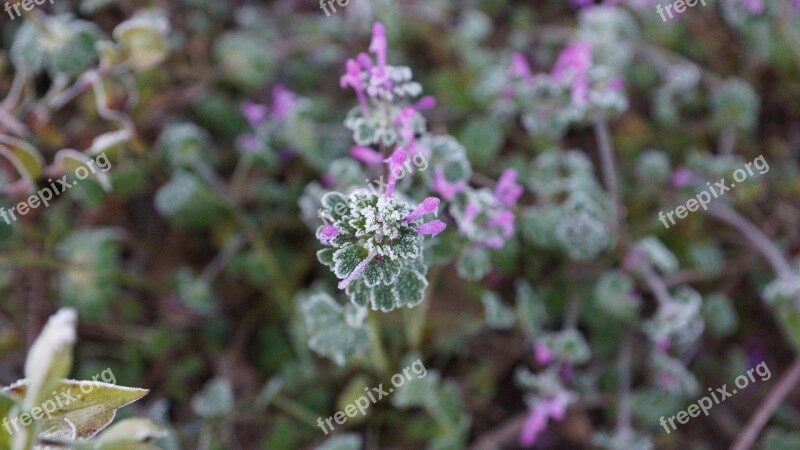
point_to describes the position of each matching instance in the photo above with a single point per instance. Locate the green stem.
(295, 410)
(415, 318)
(378, 352)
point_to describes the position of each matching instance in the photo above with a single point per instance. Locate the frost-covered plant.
(77, 411)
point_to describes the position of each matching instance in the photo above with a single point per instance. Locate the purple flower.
(445, 188)
(520, 67)
(378, 44)
(754, 7)
(554, 407)
(360, 268)
(328, 233)
(427, 102)
(352, 78)
(542, 353)
(366, 155)
(395, 167)
(283, 101)
(508, 191)
(247, 143)
(433, 228)
(681, 177)
(429, 205)
(573, 64)
(254, 113)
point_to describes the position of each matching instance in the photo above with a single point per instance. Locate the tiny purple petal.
(364, 61)
(433, 228)
(507, 190)
(444, 188)
(360, 268)
(366, 155)
(429, 205)
(534, 424)
(254, 113)
(378, 44)
(681, 177)
(247, 143)
(283, 101)
(396, 161)
(427, 102)
(543, 353)
(520, 67)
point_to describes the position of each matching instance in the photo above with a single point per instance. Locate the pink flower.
(429, 205)
(681, 177)
(328, 233)
(366, 155)
(283, 100)
(433, 228)
(427, 102)
(352, 78)
(395, 167)
(254, 113)
(445, 188)
(378, 44)
(247, 143)
(508, 191)
(520, 67)
(554, 407)
(543, 353)
(573, 64)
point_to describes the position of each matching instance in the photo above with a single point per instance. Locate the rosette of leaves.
(61, 45)
(374, 228)
(184, 145)
(545, 107)
(378, 126)
(555, 173)
(614, 295)
(734, 102)
(679, 320)
(447, 156)
(580, 226)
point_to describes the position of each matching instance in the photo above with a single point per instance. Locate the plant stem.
(295, 409)
(774, 399)
(378, 352)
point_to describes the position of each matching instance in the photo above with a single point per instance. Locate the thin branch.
(774, 399)
(760, 241)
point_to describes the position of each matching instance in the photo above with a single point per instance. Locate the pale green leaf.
(89, 406)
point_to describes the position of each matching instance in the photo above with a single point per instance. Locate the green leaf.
(334, 331)
(345, 261)
(384, 298)
(71, 160)
(359, 293)
(88, 406)
(498, 315)
(25, 157)
(50, 357)
(325, 256)
(215, 400)
(130, 434)
(7, 403)
(530, 309)
(410, 288)
(473, 264)
(144, 39)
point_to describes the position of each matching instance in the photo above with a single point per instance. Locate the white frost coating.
(48, 351)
